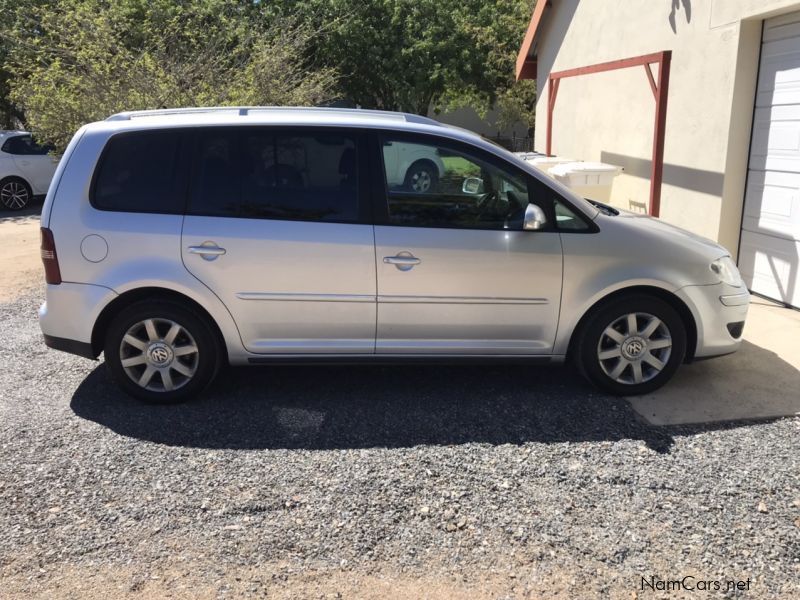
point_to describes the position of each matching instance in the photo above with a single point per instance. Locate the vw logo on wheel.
(159, 354)
(633, 348)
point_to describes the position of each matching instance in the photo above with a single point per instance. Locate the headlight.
(726, 270)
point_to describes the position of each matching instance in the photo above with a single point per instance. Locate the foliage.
(66, 62)
(77, 61)
(517, 104)
(415, 54)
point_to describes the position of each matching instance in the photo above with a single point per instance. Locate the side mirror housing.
(535, 218)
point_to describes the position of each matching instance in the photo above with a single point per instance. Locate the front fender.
(579, 298)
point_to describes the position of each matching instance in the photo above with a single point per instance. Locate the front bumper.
(719, 311)
(69, 313)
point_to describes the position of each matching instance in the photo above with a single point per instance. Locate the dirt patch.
(188, 581)
(20, 262)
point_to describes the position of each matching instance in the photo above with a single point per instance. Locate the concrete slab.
(760, 381)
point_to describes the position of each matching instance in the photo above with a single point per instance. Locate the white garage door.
(769, 256)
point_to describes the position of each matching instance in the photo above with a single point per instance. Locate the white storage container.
(589, 179)
(528, 156)
(545, 163)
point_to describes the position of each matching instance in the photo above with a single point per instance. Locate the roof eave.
(526, 59)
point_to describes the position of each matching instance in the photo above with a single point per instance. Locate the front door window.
(432, 185)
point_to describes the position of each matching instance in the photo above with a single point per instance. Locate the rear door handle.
(404, 261)
(208, 250)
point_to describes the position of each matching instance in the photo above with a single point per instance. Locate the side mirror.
(534, 218)
(472, 185)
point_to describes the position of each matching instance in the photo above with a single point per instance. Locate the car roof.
(277, 115)
(274, 114)
(4, 133)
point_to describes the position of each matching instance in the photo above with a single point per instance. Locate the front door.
(457, 274)
(276, 227)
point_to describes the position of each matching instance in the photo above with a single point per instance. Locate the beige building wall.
(609, 117)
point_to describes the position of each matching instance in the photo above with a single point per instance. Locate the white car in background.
(412, 167)
(26, 169)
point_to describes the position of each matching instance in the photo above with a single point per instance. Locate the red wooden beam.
(652, 81)
(660, 92)
(613, 65)
(657, 163)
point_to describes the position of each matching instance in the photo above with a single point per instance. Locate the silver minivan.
(176, 241)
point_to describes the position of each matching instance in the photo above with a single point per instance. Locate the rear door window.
(269, 174)
(24, 145)
(138, 172)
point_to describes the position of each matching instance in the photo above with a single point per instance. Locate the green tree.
(76, 61)
(414, 54)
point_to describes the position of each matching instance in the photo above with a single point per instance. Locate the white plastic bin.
(527, 156)
(545, 163)
(589, 179)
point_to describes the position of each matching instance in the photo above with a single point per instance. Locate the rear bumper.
(69, 313)
(83, 349)
(719, 312)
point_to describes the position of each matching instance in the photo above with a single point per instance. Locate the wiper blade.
(604, 208)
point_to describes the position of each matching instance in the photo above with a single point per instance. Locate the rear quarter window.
(138, 172)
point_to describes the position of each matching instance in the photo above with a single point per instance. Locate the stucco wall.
(610, 116)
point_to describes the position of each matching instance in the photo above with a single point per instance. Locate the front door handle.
(208, 250)
(403, 261)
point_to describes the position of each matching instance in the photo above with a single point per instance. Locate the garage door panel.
(772, 203)
(775, 141)
(769, 253)
(779, 78)
(771, 266)
(779, 28)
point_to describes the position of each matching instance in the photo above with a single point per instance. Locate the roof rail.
(246, 110)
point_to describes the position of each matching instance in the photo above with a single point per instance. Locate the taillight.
(52, 274)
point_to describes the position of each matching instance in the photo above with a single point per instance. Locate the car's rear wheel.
(161, 352)
(421, 177)
(632, 345)
(15, 193)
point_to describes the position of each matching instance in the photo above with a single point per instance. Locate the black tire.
(593, 340)
(421, 177)
(15, 193)
(195, 332)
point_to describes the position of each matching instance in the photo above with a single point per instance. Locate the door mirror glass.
(535, 218)
(472, 185)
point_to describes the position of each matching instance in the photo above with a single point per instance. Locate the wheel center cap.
(634, 347)
(159, 354)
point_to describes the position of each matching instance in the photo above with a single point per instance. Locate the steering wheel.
(487, 202)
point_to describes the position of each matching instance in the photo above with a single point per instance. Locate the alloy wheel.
(634, 348)
(159, 355)
(14, 195)
(421, 180)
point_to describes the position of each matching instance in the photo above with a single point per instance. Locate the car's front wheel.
(161, 352)
(632, 345)
(15, 193)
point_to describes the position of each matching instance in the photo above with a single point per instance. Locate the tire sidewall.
(589, 363)
(208, 350)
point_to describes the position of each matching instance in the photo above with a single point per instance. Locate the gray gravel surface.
(520, 481)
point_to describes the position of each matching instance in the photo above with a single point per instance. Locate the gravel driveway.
(376, 481)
